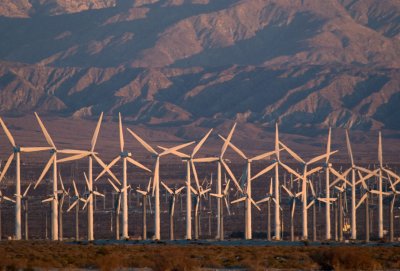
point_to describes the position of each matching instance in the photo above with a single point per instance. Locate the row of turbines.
(355, 178)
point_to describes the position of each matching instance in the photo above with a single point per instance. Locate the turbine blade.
(179, 190)
(34, 149)
(288, 191)
(263, 156)
(46, 168)
(142, 142)
(26, 190)
(45, 133)
(7, 132)
(328, 146)
(86, 180)
(198, 146)
(167, 188)
(121, 134)
(156, 175)
(72, 158)
(73, 205)
(227, 206)
(136, 163)
(75, 189)
(380, 159)
(195, 174)
(361, 200)
(6, 166)
(113, 185)
(167, 151)
(228, 170)
(228, 139)
(236, 149)
(98, 194)
(148, 185)
(48, 199)
(238, 200)
(255, 204)
(262, 172)
(320, 157)
(141, 192)
(312, 171)
(205, 159)
(106, 168)
(262, 201)
(96, 133)
(176, 153)
(292, 153)
(350, 152)
(290, 170)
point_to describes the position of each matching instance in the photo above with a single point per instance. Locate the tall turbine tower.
(190, 161)
(53, 161)
(156, 178)
(16, 153)
(247, 198)
(126, 156)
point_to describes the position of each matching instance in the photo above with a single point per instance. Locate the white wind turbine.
(380, 188)
(16, 153)
(117, 205)
(304, 180)
(76, 199)
(53, 161)
(268, 198)
(293, 198)
(247, 194)
(173, 194)
(199, 192)
(353, 184)
(126, 156)
(144, 205)
(90, 154)
(190, 163)
(156, 177)
(2, 199)
(222, 163)
(222, 197)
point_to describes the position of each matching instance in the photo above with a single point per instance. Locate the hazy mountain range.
(310, 63)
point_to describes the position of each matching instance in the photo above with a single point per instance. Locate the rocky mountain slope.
(308, 63)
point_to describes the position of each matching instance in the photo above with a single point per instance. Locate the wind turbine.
(200, 192)
(293, 198)
(16, 153)
(24, 201)
(222, 163)
(156, 178)
(117, 205)
(353, 184)
(380, 190)
(76, 199)
(269, 197)
(173, 194)
(61, 198)
(304, 180)
(247, 195)
(312, 201)
(395, 192)
(53, 161)
(222, 196)
(190, 163)
(144, 203)
(2, 199)
(90, 154)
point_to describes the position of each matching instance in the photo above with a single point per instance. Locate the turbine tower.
(16, 153)
(190, 164)
(247, 194)
(156, 177)
(126, 156)
(53, 161)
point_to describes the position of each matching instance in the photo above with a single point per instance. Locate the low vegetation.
(28, 255)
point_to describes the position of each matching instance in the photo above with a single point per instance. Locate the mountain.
(310, 64)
